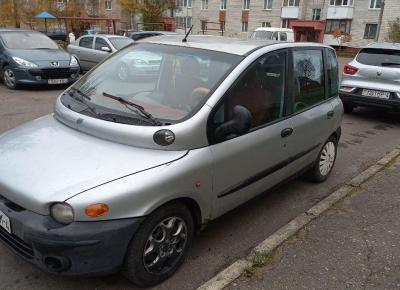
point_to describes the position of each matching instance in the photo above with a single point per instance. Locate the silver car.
(92, 49)
(125, 172)
(372, 78)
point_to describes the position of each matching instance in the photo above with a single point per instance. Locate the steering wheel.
(299, 106)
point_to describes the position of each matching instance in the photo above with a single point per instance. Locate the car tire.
(160, 245)
(9, 78)
(325, 161)
(348, 108)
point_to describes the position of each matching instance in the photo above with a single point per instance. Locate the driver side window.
(261, 90)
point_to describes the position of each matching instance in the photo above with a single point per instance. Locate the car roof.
(221, 43)
(273, 29)
(384, 45)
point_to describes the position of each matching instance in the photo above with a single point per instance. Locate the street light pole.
(380, 21)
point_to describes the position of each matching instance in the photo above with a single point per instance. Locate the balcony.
(290, 12)
(340, 12)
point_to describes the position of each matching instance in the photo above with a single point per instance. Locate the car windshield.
(27, 40)
(169, 82)
(120, 42)
(262, 34)
(379, 57)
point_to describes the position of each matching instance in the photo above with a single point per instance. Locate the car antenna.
(187, 34)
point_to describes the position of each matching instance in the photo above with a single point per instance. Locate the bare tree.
(306, 68)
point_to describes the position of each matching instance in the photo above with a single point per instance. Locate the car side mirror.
(239, 125)
(106, 49)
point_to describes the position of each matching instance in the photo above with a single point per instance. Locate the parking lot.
(367, 135)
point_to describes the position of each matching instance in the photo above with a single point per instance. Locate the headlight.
(74, 61)
(62, 212)
(23, 62)
(139, 61)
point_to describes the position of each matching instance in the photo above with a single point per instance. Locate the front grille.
(17, 244)
(52, 73)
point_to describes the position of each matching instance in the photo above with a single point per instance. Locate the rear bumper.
(357, 100)
(80, 248)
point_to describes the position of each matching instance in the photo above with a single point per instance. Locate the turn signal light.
(97, 210)
(350, 70)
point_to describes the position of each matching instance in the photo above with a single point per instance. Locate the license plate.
(5, 222)
(57, 81)
(376, 94)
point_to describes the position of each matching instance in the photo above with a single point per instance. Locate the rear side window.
(333, 73)
(86, 42)
(379, 57)
(308, 73)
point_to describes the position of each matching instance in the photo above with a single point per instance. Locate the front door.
(247, 165)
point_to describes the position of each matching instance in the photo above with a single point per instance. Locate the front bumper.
(41, 76)
(80, 248)
(358, 100)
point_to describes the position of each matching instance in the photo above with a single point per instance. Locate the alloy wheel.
(9, 78)
(165, 245)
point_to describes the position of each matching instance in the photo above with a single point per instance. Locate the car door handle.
(330, 114)
(286, 132)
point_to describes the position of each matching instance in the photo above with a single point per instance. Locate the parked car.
(57, 34)
(92, 49)
(273, 33)
(30, 57)
(137, 35)
(130, 170)
(372, 78)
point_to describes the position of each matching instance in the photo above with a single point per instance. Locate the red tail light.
(350, 70)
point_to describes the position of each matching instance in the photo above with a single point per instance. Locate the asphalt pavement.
(367, 135)
(354, 245)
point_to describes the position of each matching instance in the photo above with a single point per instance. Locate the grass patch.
(259, 260)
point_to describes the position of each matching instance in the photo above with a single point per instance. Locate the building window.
(370, 31)
(184, 3)
(285, 23)
(222, 5)
(341, 2)
(267, 4)
(316, 14)
(291, 3)
(265, 24)
(204, 4)
(182, 21)
(246, 4)
(375, 4)
(108, 5)
(245, 26)
(332, 25)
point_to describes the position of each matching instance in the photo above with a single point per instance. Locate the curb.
(232, 272)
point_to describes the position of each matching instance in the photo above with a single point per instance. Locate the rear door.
(312, 113)
(246, 165)
(85, 51)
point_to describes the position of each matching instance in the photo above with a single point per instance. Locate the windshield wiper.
(83, 99)
(136, 106)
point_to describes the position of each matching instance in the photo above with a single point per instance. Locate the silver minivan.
(126, 171)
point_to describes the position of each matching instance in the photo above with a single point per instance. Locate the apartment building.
(312, 20)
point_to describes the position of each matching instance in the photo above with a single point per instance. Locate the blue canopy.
(45, 15)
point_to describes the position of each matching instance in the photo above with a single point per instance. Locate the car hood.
(45, 161)
(35, 55)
